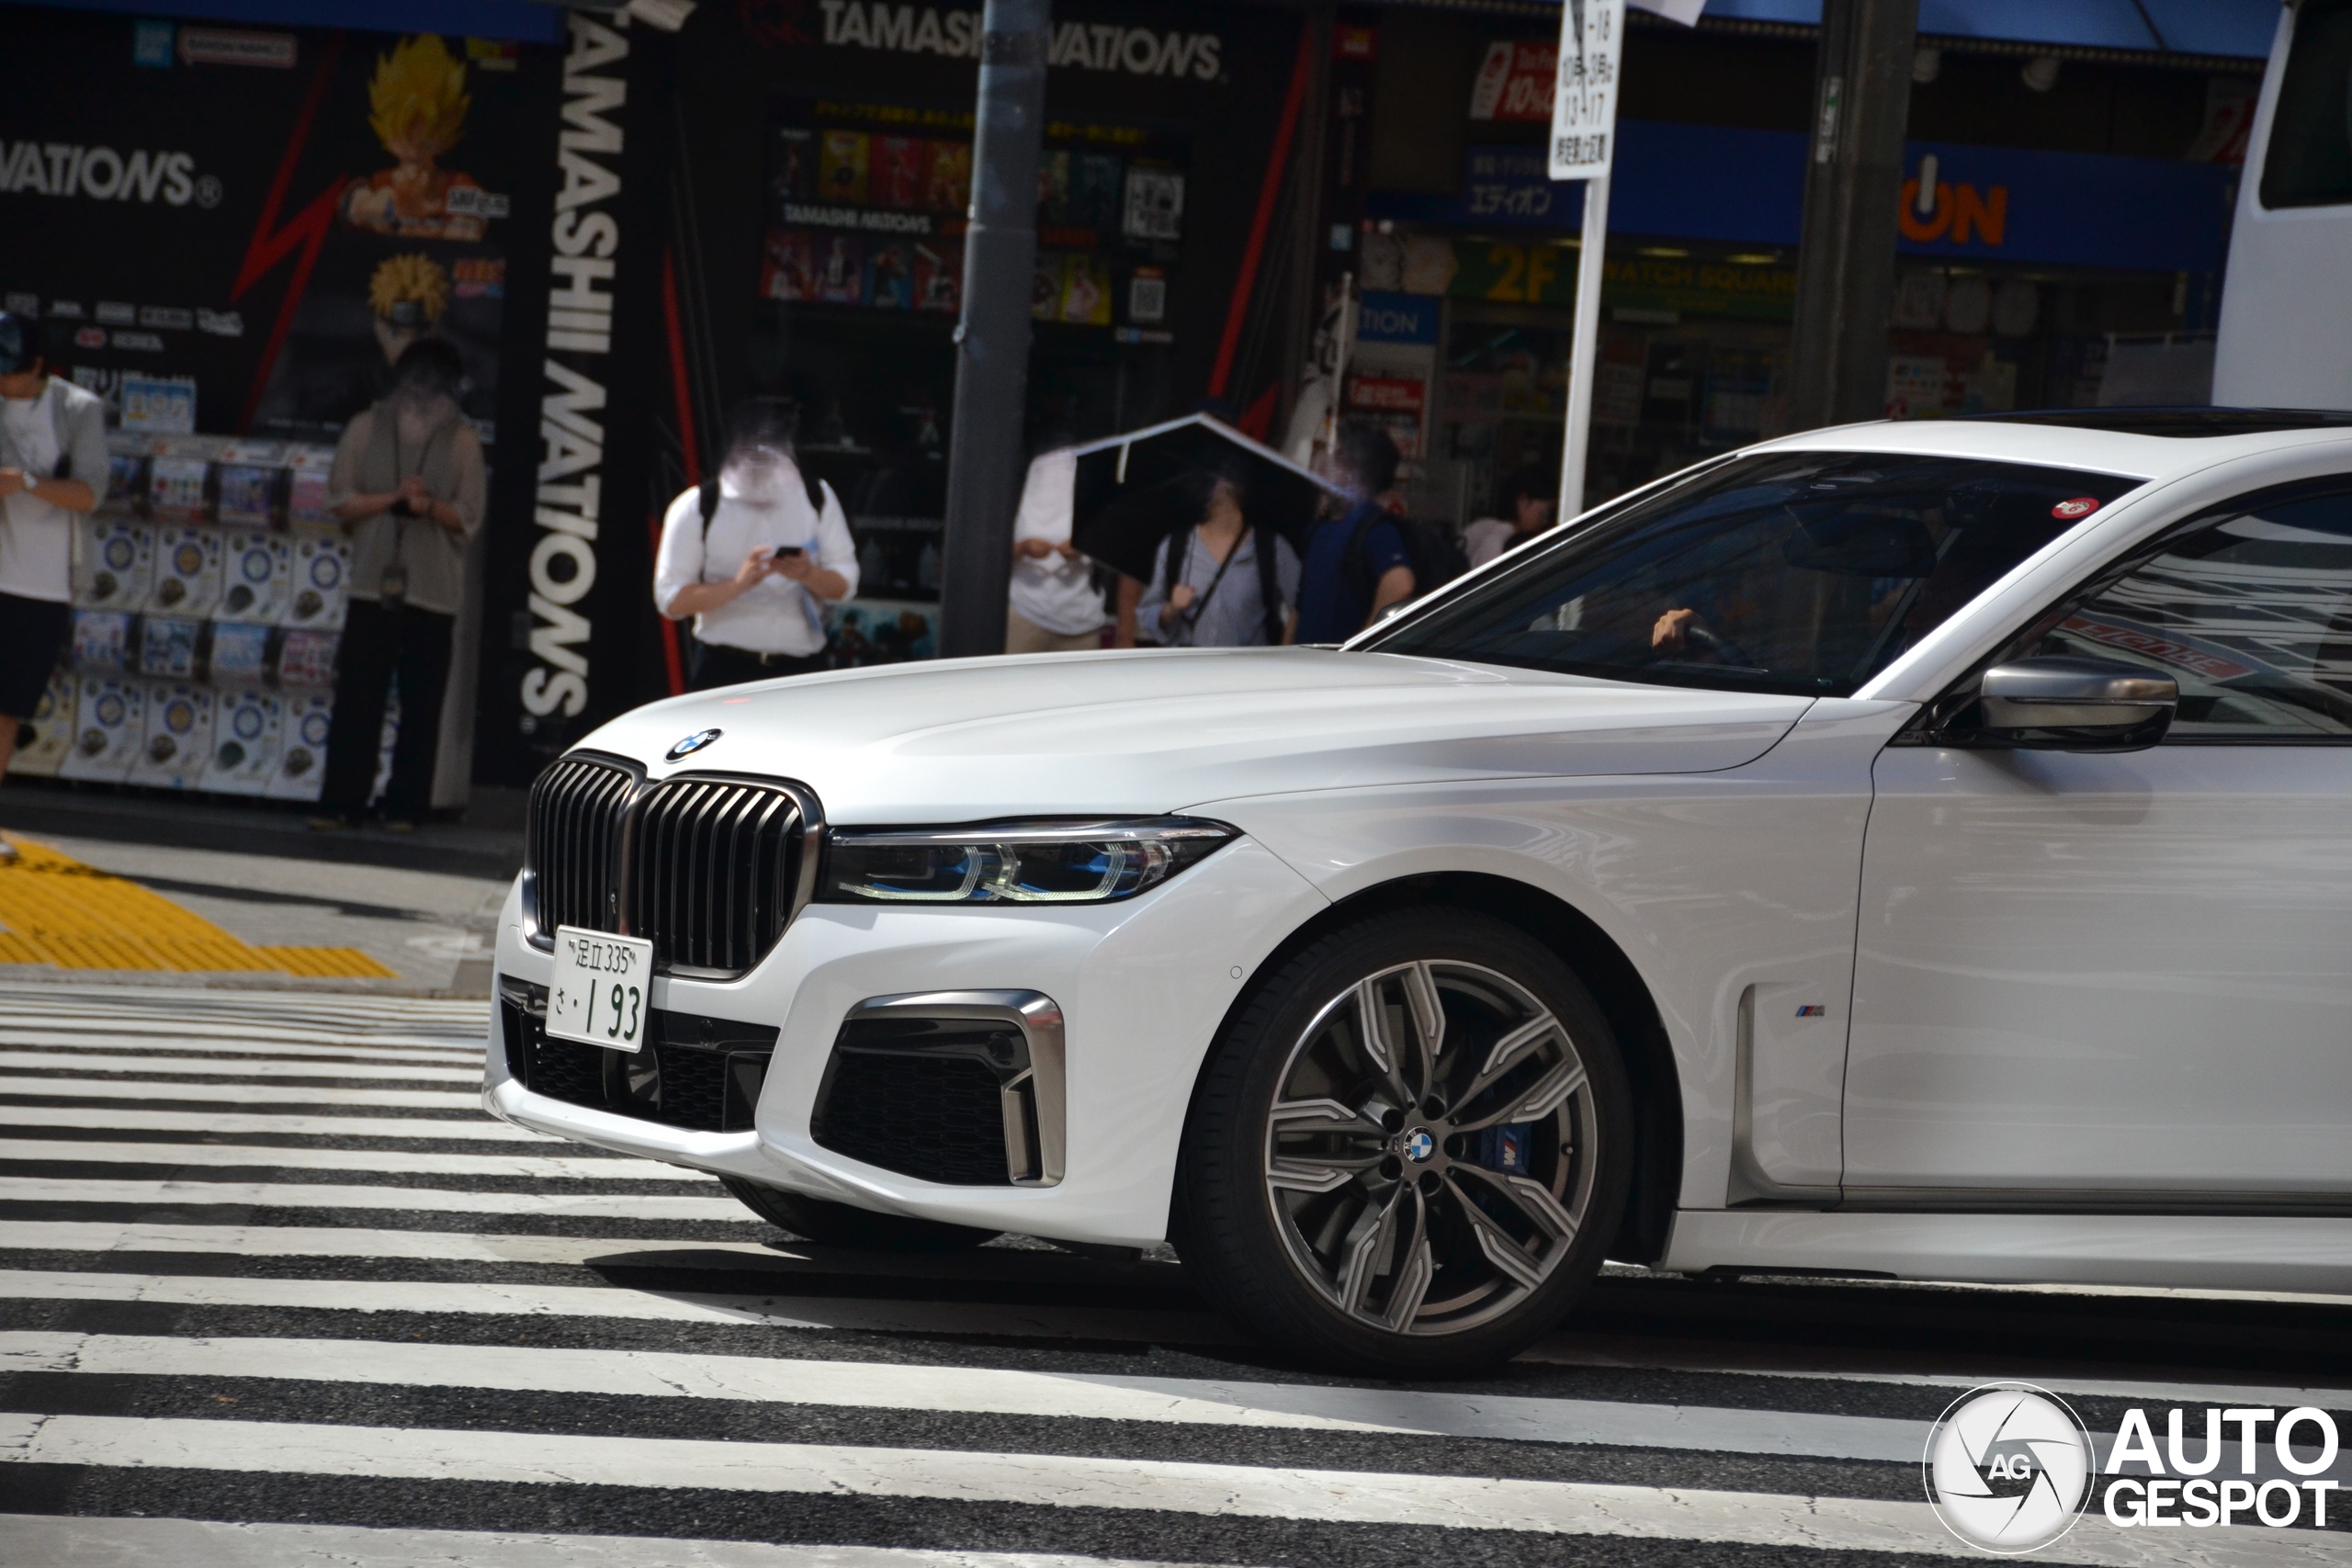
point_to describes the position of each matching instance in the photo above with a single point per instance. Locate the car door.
(2086, 980)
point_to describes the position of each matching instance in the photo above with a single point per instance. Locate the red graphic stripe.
(309, 231)
(1267, 195)
(688, 446)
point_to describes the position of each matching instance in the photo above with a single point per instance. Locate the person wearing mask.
(408, 485)
(754, 558)
(1523, 505)
(1356, 562)
(1221, 582)
(1055, 604)
(53, 465)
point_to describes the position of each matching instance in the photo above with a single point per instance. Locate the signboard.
(1515, 82)
(1584, 96)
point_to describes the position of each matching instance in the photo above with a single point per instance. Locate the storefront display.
(868, 204)
(207, 599)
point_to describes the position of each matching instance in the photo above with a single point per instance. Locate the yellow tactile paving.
(56, 910)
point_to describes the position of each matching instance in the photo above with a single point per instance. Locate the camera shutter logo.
(2009, 1467)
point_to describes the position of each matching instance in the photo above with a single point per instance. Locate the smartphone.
(788, 550)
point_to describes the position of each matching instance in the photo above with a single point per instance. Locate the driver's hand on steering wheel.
(1673, 629)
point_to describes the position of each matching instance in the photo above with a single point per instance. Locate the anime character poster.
(269, 230)
(415, 247)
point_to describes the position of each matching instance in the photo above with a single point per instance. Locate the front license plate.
(599, 993)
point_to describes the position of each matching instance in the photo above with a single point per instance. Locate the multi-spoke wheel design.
(1409, 1147)
(1429, 1151)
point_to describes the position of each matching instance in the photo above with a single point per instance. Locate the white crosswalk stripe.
(404, 1375)
(123, 1118)
(14, 1086)
(545, 1167)
(235, 1067)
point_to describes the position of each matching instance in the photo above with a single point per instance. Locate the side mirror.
(2071, 705)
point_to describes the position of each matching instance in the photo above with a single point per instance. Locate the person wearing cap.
(407, 484)
(53, 465)
(755, 557)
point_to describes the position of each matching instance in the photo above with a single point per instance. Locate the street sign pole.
(1583, 147)
(1584, 348)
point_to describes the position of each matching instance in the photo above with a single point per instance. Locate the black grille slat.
(576, 809)
(712, 865)
(938, 1118)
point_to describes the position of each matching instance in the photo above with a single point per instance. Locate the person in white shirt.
(754, 560)
(1526, 500)
(53, 465)
(1055, 607)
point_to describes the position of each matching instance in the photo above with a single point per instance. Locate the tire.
(838, 1224)
(1311, 1229)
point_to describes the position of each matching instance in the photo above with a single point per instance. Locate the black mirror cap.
(2061, 704)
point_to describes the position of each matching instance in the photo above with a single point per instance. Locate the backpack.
(707, 498)
(1434, 556)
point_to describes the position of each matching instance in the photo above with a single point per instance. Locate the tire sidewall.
(1227, 1228)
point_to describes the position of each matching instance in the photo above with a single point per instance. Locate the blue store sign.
(1702, 182)
(1396, 318)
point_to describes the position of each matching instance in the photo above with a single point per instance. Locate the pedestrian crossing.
(274, 1291)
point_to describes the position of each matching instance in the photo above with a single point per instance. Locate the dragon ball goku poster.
(415, 245)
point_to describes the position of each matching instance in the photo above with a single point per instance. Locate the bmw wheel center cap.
(690, 745)
(1419, 1143)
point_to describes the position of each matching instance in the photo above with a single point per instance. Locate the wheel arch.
(1616, 985)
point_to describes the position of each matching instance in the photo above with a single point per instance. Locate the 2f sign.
(1584, 99)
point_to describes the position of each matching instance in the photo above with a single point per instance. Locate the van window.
(2308, 162)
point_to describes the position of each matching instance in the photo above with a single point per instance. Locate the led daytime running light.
(1036, 863)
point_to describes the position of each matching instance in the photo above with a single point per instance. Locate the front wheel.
(1409, 1148)
(838, 1224)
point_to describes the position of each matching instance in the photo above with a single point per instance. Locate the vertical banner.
(570, 595)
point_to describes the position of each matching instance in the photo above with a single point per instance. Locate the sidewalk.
(122, 889)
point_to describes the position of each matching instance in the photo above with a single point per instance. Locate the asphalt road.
(274, 1291)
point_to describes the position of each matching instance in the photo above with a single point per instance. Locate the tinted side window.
(2251, 614)
(2310, 160)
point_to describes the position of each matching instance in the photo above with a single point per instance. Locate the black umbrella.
(1137, 489)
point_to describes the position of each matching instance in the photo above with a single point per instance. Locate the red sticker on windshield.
(2081, 506)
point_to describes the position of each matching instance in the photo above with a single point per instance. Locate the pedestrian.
(1055, 604)
(754, 557)
(1222, 583)
(1523, 507)
(408, 485)
(53, 465)
(1356, 562)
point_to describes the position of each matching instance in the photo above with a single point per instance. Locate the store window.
(861, 273)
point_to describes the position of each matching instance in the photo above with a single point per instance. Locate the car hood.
(1137, 733)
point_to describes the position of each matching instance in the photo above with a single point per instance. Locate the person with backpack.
(53, 465)
(1218, 583)
(1357, 560)
(755, 556)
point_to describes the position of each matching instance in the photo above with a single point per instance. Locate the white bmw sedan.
(1913, 851)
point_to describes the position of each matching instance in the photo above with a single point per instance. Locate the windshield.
(1804, 572)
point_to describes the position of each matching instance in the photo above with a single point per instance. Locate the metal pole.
(1584, 352)
(1853, 187)
(984, 454)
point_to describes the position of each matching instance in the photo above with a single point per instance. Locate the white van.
(2285, 332)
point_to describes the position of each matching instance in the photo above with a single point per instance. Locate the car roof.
(2124, 442)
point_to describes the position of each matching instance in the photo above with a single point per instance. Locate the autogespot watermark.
(2011, 1467)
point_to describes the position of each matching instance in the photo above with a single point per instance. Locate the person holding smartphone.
(755, 557)
(408, 486)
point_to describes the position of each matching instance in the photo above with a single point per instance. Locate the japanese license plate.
(600, 991)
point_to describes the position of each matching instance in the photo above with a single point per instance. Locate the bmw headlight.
(1015, 863)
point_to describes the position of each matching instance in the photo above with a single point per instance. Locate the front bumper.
(1142, 987)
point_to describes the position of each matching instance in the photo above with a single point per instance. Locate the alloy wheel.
(1430, 1152)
